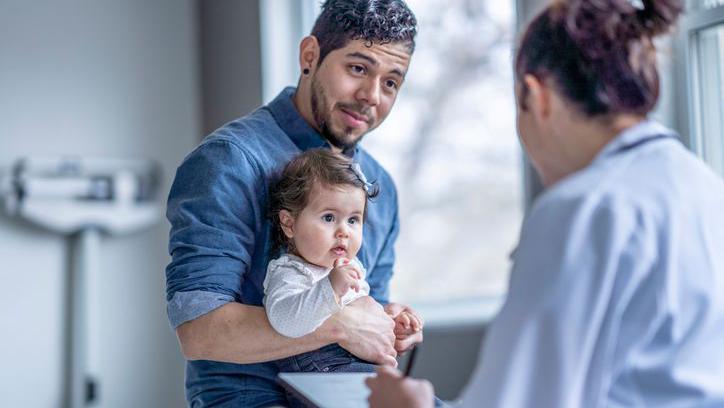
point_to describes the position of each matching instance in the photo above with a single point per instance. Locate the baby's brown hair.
(292, 189)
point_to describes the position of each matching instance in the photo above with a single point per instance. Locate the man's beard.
(322, 112)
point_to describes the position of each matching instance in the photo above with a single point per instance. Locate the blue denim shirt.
(220, 236)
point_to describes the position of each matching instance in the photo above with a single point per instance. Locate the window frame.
(688, 85)
(283, 24)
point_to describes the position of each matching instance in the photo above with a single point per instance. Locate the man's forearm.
(239, 333)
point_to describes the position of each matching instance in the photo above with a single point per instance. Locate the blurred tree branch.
(463, 36)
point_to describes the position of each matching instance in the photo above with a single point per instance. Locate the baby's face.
(330, 226)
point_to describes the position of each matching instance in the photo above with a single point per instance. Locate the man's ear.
(536, 97)
(286, 220)
(308, 54)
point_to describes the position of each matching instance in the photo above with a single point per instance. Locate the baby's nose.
(342, 231)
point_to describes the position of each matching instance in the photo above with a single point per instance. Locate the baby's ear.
(286, 220)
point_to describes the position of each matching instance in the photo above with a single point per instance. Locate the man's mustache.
(359, 109)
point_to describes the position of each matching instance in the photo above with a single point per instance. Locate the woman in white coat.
(616, 296)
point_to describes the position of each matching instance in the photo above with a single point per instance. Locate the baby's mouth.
(339, 250)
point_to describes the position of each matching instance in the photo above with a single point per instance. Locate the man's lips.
(353, 119)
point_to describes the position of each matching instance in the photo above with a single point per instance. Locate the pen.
(411, 361)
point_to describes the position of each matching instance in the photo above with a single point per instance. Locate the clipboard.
(328, 390)
(334, 390)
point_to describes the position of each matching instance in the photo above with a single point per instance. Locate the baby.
(318, 210)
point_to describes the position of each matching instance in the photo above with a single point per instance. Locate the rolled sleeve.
(214, 212)
(186, 306)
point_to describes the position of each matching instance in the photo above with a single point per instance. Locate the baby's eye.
(354, 220)
(328, 217)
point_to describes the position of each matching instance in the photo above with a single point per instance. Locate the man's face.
(354, 89)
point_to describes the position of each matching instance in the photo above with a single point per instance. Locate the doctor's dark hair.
(599, 54)
(373, 21)
(292, 189)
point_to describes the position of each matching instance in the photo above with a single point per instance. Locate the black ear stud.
(305, 71)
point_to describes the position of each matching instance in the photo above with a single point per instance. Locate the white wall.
(99, 78)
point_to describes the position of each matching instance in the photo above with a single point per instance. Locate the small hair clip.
(637, 4)
(357, 170)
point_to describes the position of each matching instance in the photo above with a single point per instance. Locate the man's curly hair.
(373, 21)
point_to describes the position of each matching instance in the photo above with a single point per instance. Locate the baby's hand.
(344, 276)
(408, 322)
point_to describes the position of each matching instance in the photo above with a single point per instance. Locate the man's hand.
(366, 331)
(344, 276)
(406, 320)
(390, 389)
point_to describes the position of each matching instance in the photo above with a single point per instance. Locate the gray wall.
(97, 78)
(231, 62)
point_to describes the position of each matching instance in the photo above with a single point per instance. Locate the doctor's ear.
(286, 220)
(535, 96)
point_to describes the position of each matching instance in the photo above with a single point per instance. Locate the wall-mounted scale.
(82, 199)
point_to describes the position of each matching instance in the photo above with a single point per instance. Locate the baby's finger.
(351, 274)
(355, 266)
(416, 323)
(403, 334)
(404, 318)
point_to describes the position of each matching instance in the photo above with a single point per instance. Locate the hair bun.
(604, 23)
(600, 53)
(658, 16)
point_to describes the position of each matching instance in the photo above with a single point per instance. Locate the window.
(710, 61)
(703, 52)
(450, 144)
(283, 25)
(705, 4)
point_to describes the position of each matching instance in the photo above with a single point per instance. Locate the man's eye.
(357, 69)
(391, 84)
(328, 217)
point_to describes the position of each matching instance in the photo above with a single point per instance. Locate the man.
(353, 65)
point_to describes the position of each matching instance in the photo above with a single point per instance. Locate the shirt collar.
(320, 270)
(293, 124)
(635, 135)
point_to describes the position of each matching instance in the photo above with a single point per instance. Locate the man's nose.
(369, 92)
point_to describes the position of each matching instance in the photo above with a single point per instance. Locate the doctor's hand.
(390, 389)
(408, 326)
(366, 331)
